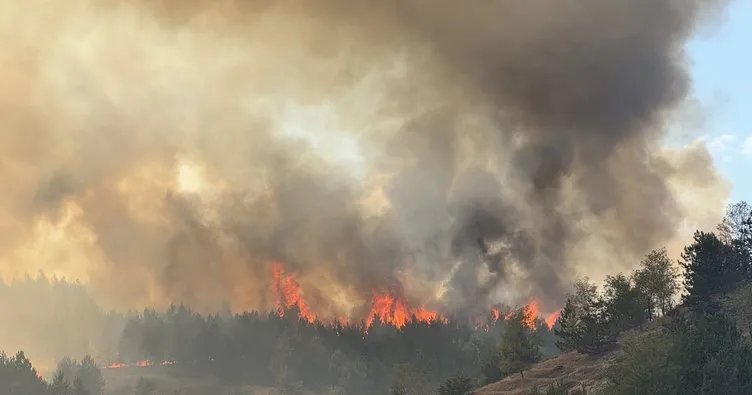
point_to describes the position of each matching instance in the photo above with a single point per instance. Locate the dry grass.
(573, 368)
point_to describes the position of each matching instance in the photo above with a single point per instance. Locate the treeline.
(291, 354)
(693, 348)
(701, 350)
(50, 318)
(19, 377)
(591, 321)
(698, 347)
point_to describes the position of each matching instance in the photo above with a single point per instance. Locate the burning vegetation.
(366, 183)
(431, 159)
(389, 308)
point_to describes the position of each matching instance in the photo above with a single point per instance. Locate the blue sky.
(721, 64)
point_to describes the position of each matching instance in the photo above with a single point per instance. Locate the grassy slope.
(574, 369)
(577, 369)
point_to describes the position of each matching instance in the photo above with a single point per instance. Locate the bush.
(456, 386)
(695, 354)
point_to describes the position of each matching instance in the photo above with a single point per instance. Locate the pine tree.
(585, 328)
(713, 356)
(596, 335)
(569, 328)
(78, 387)
(91, 376)
(60, 384)
(518, 351)
(625, 306)
(710, 267)
(18, 376)
(742, 245)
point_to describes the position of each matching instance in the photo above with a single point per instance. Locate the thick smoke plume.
(459, 153)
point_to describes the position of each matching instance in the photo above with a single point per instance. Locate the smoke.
(460, 153)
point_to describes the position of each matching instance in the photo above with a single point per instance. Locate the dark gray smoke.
(464, 153)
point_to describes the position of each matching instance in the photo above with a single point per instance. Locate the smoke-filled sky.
(461, 154)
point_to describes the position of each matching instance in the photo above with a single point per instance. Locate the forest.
(700, 305)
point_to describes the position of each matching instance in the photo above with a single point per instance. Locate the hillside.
(573, 368)
(576, 370)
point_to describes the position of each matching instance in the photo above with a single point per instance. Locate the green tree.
(714, 357)
(91, 376)
(658, 280)
(78, 387)
(18, 376)
(596, 335)
(695, 354)
(584, 325)
(490, 367)
(518, 350)
(647, 367)
(626, 306)
(710, 268)
(459, 385)
(740, 301)
(569, 329)
(60, 384)
(742, 245)
(585, 296)
(410, 379)
(86, 370)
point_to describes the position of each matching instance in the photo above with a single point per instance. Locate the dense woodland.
(700, 346)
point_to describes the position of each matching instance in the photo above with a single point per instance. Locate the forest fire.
(529, 314)
(395, 311)
(551, 318)
(140, 364)
(389, 307)
(532, 317)
(289, 293)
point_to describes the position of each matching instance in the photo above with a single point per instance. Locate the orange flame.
(289, 293)
(495, 314)
(390, 307)
(530, 314)
(141, 364)
(551, 319)
(395, 311)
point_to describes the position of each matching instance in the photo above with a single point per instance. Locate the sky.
(721, 64)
